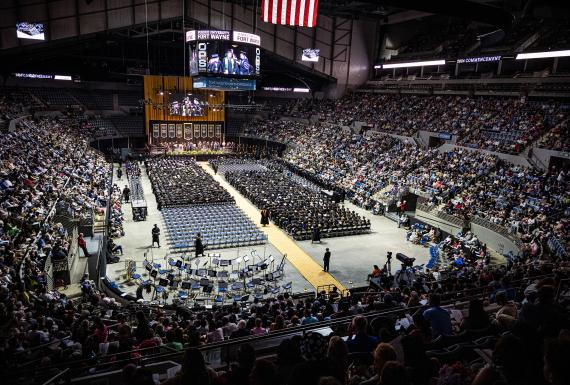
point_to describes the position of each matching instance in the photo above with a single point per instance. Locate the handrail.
(227, 344)
(51, 380)
(43, 345)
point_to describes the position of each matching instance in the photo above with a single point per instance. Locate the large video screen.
(223, 53)
(190, 104)
(34, 31)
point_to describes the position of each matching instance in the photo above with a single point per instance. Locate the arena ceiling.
(106, 54)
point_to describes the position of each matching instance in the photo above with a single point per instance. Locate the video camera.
(406, 261)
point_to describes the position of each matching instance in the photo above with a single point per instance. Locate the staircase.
(99, 224)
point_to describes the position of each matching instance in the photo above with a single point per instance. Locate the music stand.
(238, 260)
(207, 289)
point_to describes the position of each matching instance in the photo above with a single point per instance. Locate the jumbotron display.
(224, 53)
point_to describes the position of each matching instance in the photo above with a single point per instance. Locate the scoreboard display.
(224, 53)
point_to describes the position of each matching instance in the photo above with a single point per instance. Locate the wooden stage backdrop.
(161, 127)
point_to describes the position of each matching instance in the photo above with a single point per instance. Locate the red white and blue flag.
(290, 12)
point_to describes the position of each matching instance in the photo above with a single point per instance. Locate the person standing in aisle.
(326, 260)
(155, 235)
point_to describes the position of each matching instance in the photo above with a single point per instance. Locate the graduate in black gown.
(198, 246)
(264, 217)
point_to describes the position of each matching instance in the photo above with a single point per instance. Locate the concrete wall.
(494, 240)
(433, 220)
(425, 135)
(543, 155)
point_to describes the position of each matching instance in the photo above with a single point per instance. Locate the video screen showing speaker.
(33, 31)
(224, 53)
(191, 104)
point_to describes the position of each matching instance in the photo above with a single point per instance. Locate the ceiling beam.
(401, 17)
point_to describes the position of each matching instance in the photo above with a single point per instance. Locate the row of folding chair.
(221, 243)
(205, 228)
(335, 232)
(213, 233)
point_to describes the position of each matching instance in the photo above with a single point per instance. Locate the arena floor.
(352, 256)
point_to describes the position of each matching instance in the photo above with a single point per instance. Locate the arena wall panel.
(62, 8)
(36, 12)
(120, 18)
(170, 9)
(92, 6)
(62, 28)
(91, 23)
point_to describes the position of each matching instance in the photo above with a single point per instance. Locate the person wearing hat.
(244, 67)
(155, 235)
(214, 64)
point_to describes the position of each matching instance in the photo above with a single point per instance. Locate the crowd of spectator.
(557, 139)
(44, 163)
(179, 180)
(46, 167)
(498, 124)
(371, 166)
(516, 307)
(530, 204)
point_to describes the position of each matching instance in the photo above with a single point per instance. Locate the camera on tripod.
(406, 261)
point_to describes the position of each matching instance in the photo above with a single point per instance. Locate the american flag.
(290, 12)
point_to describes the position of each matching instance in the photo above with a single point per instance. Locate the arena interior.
(284, 192)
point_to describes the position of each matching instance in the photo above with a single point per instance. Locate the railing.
(557, 248)
(55, 379)
(101, 264)
(463, 223)
(270, 341)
